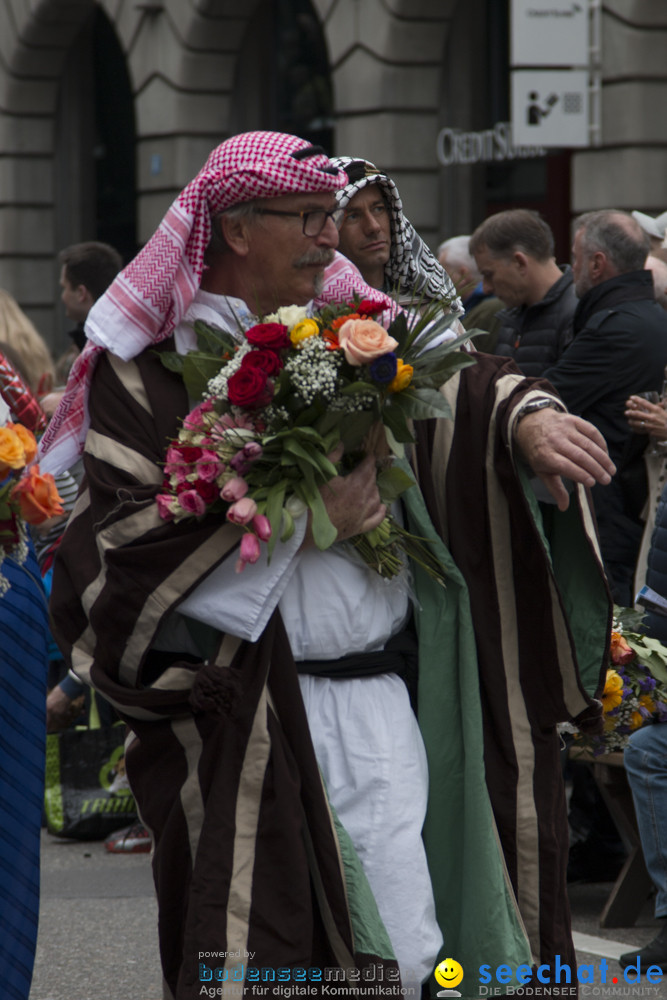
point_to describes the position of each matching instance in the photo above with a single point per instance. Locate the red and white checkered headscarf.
(151, 295)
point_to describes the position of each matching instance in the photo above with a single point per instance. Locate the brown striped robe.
(246, 852)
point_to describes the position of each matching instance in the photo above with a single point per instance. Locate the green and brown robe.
(248, 856)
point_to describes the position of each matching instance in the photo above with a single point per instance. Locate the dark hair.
(93, 265)
(617, 235)
(515, 229)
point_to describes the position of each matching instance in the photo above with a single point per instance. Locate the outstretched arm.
(557, 445)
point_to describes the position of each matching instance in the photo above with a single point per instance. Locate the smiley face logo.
(449, 973)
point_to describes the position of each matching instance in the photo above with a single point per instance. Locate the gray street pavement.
(98, 934)
(98, 925)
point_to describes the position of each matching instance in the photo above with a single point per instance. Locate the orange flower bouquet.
(635, 691)
(276, 400)
(30, 498)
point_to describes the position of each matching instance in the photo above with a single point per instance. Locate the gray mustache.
(321, 257)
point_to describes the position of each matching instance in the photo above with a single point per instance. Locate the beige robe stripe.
(248, 804)
(167, 594)
(128, 374)
(115, 536)
(442, 446)
(527, 837)
(121, 457)
(187, 734)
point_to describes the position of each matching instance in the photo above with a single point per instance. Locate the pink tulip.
(252, 450)
(242, 512)
(250, 547)
(262, 527)
(240, 463)
(234, 489)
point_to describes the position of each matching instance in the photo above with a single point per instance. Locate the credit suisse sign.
(493, 145)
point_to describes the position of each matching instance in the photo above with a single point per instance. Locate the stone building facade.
(107, 109)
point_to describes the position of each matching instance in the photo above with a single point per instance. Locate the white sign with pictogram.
(550, 33)
(550, 107)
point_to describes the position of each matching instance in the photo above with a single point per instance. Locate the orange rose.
(37, 496)
(12, 452)
(364, 340)
(27, 439)
(619, 651)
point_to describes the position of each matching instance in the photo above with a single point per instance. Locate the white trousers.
(371, 754)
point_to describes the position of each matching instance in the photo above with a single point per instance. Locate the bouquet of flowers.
(635, 691)
(277, 400)
(30, 498)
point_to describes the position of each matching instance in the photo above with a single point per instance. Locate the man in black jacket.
(619, 348)
(514, 252)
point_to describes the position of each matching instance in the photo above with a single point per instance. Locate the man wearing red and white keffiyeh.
(151, 296)
(201, 662)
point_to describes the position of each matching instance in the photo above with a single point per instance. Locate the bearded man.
(250, 858)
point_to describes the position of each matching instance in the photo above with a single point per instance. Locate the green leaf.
(395, 420)
(392, 482)
(422, 404)
(274, 511)
(399, 330)
(171, 360)
(287, 526)
(324, 533)
(212, 339)
(198, 370)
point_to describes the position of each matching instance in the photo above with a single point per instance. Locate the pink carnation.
(175, 464)
(164, 501)
(191, 502)
(194, 421)
(209, 466)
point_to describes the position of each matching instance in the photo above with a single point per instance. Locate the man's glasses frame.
(314, 220)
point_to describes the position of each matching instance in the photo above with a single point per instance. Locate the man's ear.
(235, 232)
(597, 264)
(85, 297)
(521, 261)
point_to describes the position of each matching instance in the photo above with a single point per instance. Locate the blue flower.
(384, 368)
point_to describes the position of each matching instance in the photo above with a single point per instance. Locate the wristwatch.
(539, 404)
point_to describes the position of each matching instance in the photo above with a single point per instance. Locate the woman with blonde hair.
(28, 347)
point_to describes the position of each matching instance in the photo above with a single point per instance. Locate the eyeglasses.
(313, 222)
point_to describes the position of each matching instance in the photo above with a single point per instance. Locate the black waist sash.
(399, 656)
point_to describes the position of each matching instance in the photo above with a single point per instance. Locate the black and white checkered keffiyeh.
(411, 268)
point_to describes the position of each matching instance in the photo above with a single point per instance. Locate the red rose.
(249, 388)
(267, 361)
(207, 491)
(369, 308)
(273, 335)
(189, 453)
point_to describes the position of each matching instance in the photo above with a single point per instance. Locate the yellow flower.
(303, 330)
(612, 696)
(12, 451)
(636, 720)
(402, 378)
(647, 702)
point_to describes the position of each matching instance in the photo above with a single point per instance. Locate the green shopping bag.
(87, 795)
